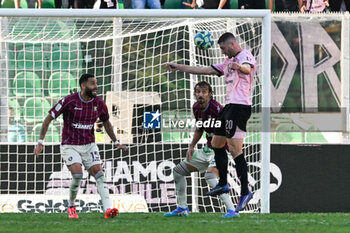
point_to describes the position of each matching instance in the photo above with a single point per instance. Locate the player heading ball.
(238, 70)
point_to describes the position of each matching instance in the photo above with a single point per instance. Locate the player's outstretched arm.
(196, 137)
(205, 70)
(39, 148)
(109, 129)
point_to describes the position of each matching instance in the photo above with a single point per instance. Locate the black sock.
(242, 173)
(221, 161)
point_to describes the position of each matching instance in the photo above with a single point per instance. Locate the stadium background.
(326, 98)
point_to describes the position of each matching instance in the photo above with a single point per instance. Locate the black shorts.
(231, 117)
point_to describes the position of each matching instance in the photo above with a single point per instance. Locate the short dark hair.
(225, 37)
(84, 78)
(204, 84)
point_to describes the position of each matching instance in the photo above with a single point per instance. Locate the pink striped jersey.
(213, 110)
(238, 85)
(79, 118)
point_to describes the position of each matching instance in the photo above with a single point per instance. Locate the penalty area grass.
(156, 222)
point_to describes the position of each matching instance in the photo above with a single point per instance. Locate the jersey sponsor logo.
(76, 108)
(81, 126)
(58, 107)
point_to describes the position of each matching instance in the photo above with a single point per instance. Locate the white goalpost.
(44, 52)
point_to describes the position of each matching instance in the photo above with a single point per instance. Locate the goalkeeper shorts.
(202, 159)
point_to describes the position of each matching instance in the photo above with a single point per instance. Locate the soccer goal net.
(42, 57)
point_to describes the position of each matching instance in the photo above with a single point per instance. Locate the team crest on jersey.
(95, 108)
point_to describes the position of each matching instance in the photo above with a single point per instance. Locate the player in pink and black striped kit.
(80, 112)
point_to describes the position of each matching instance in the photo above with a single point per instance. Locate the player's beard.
(89, 91)
(202, 102)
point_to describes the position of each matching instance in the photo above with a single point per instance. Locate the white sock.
(74, 188)
(103, 190)
(212, 180)
(226, 199)
(180, 184)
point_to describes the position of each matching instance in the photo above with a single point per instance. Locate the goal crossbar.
(105, 13)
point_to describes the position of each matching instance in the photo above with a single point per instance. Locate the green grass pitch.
(156, 222)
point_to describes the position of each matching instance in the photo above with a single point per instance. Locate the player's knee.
(216, 145)
(210, 175)
(218, 142)
(76, 168)
(100, 177)
(78, 176)
(180, 170)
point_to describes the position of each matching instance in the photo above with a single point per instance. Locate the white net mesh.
(42, 60)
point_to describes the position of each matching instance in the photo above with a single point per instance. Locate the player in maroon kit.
(80, 112)
(204, 109)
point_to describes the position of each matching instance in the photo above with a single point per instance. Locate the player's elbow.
(48, 119)
(106, 123)
(246, 69)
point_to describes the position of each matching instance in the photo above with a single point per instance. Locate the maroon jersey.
(213, 110)
(79, 118)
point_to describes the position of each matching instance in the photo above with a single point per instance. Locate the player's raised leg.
(212, 180)
(103, 191)
(235, 146)
(179, 172)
